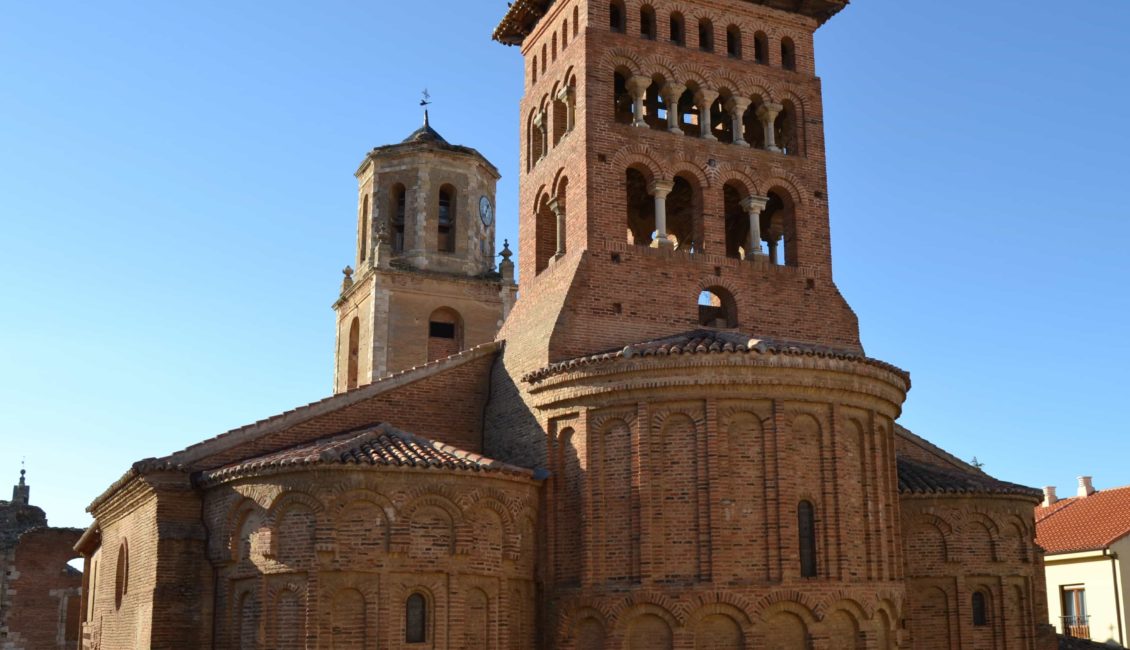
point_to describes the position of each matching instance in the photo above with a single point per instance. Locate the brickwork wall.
(42, 592)
(961, 545)
(672, 506)
(620, 293)
(328, 559)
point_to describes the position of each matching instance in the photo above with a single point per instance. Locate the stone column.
(638, 86)
(568, 95)
(768, 113)
(737, 107)
(706, 100)
(754, 205)
(672, 93)
(559, 212)
(660, 189)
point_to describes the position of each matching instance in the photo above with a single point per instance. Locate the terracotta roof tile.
(1086, 524)
(1043, 512)
(707, 342)
(382, 445)
(919, 478)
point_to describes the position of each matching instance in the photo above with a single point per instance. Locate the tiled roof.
(708, 342)
(919, 478)
(1043, 512)
(382, 445)
(523, 15)
(1087, 523)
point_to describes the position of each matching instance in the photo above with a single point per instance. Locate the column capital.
(566, 93)
(754, 203)
(638, 84)
(539, 119)
(674, 90)
(737, 105)
(661, 188)
(555, 206)
(769, 111)
(706, 96)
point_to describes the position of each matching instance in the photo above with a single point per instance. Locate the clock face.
(486, 211)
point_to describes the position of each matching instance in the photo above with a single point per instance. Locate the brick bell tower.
(720, 453)
(673, 172)
(425, 285)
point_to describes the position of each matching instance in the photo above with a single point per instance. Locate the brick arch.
(740, 614)
(431, 497)
(658, 64)
(600, 421)
(346, 497)
(619, 612)
(787, 183)
(660, 418)
(942, 526)
(490, 502)
(728, 172)
(690, 168)
(579, 610)
(539, 196)
(692, 72)
(847, 602)
(624, 620)
(557, 176)
(722, 81)
(637, 156)
(621, 58)
(792, 602)
(225, 544)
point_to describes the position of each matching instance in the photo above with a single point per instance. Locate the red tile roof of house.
(1086, 523)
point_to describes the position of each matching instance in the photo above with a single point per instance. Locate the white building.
(1087, 540)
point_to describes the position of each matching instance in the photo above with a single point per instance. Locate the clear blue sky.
(177, 201)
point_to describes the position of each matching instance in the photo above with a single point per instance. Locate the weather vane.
(427, 100)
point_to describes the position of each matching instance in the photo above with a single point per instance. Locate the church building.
(673, 439)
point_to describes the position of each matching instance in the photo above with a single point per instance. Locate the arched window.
(689, 113)
(721, 123)
(684, 213)
(399, 209)
(778, 228)
(364, 237)
(647, 22)
(416, 619)
(622, 104)
(737, 221)
(678, 29)
(980, 609)
(617, 18)
(806, 531)
(554, 50)
(534, 69)
(705, 35)
(641, 208)
(544, 57)
(564, 34)
(576, 21)
(446, 229)
(785, 132)
(121, 578)
(734, 42)
(717, 308)
(761, 48)
(354, 352)
(545, 231)
(788, 54)
(445, 333)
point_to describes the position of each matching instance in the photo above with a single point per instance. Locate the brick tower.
(425, 275)
(686, 367)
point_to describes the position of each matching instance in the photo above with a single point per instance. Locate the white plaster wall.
(1095, 573)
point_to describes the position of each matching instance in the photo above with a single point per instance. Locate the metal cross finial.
(426, 102)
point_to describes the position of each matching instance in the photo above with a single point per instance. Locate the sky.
(177, 202)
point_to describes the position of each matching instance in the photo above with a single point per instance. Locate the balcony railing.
(1076, 627)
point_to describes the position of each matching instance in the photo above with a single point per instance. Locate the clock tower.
(423, 284)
